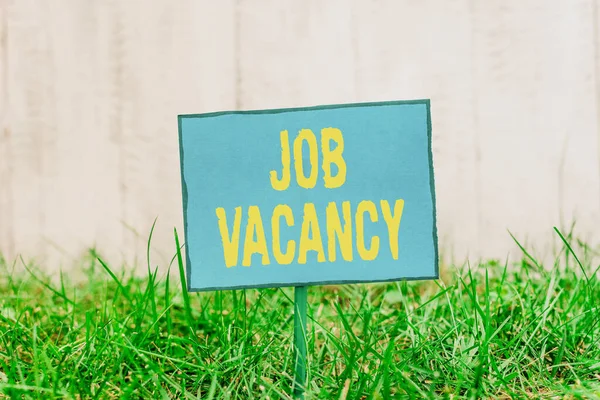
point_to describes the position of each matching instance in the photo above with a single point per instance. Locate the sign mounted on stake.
(308, 196)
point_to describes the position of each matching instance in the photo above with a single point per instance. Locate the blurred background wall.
(90, 92)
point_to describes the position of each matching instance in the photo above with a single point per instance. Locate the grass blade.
(184, 289)
(573, 253)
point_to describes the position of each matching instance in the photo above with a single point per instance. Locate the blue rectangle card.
(308, 196)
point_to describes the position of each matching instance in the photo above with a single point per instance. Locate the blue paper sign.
(308, 196)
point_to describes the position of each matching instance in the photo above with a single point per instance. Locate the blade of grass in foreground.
(535, 262)
(186, 297)
(114, 277)
(573, 253)
(151, 278)
(46, 285)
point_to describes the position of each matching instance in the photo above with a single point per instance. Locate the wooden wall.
(90, 92)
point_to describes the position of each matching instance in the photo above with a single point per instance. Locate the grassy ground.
(488, 331)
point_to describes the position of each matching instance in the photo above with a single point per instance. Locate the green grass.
(491, 331)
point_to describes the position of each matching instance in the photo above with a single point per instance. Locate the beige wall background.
(90, 93)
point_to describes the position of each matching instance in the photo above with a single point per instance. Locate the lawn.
(490, 330)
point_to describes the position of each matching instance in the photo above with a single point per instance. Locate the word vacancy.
(311, 237)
